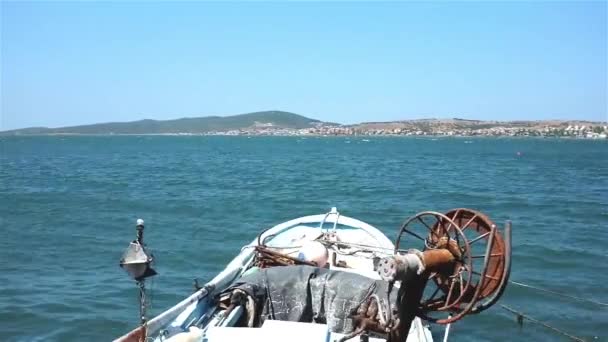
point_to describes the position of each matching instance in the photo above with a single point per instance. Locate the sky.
(70, 63)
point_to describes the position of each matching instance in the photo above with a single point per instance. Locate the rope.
(521, 316)
(558, 293)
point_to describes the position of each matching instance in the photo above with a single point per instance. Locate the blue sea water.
(68, 205)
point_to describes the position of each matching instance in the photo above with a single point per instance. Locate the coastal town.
(278, 123)
(433, 127)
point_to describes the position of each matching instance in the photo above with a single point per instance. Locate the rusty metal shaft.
(405, 267)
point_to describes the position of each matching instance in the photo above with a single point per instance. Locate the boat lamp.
(136, 260)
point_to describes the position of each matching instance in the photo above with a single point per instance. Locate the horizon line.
(430, 117)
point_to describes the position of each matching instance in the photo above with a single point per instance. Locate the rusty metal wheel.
(431, 230)
(491, 250)
(480, 271)
(478, 229)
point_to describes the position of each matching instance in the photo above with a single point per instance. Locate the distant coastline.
(279, 123)
(362, 136)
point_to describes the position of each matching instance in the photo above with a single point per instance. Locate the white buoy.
(140, 222)
(194, 335)
(314, 251)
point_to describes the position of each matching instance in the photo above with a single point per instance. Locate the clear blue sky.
(75, 63)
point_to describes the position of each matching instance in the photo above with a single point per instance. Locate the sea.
(68, 207)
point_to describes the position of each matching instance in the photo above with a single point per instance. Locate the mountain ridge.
(205, 124)
(275, 120)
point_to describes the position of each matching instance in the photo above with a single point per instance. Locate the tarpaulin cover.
(309, 294)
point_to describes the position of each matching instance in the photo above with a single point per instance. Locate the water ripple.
(68, 204)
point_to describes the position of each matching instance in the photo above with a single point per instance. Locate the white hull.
(365, 243)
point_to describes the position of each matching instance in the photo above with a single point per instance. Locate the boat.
(330, 277)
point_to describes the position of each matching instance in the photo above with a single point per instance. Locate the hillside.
(285, 123)
(430, 125)
(464, 127)
(268, 119)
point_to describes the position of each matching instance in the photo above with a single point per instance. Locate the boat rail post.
(142, 302)
(333, 211)
(446, 334)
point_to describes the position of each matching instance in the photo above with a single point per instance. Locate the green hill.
(276, 119)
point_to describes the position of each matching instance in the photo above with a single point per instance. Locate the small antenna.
(137, 261)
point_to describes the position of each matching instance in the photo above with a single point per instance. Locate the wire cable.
(521, 316)
(558, 293)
